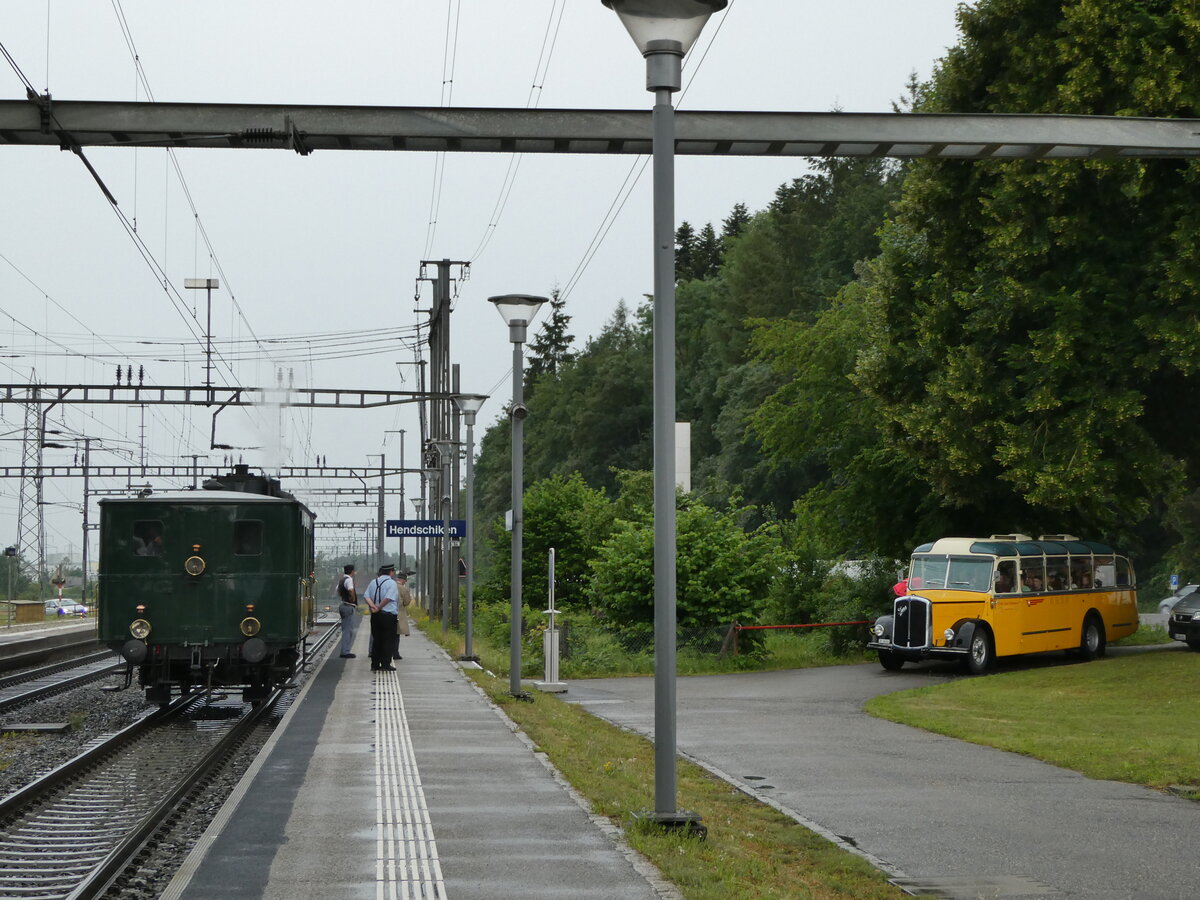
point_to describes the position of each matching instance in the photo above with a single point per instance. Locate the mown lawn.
(1127, 719)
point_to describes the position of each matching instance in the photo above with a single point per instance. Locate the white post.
(550, 644)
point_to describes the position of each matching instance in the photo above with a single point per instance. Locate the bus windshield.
(959, 573)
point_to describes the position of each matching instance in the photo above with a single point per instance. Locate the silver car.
(1168, 603)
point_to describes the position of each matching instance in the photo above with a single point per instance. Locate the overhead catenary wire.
(636, 170)
(540, 72)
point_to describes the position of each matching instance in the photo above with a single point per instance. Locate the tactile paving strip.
(407, 866)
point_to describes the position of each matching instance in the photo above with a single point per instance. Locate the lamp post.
(400, 431)
(469, 405)
(446, 451)
(422, 588)
(518, 311)
(664, 30)
(10, 557)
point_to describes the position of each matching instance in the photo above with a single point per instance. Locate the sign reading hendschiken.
(424, 528)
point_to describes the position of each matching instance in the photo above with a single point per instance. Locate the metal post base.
(683, 820)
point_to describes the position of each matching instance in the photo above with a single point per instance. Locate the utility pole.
(439, 382)
(31, 529)
(207, 285)
(87, 461)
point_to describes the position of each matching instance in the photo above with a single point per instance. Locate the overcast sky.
(329, 245)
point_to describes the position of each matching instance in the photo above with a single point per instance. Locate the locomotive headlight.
(139, 628)
(193, 565)
(250, 626)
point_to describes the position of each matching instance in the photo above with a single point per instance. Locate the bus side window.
(1081, 573)
(1123, 579)
(1057, 573)
(1106, 573)
(1033, 575)
(1006, 576)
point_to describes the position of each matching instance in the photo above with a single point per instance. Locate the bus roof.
(965, 546)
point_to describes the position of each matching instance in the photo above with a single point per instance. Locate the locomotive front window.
(147, 538)
(247, 537)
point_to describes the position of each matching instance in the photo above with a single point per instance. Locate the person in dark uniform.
(384, 602)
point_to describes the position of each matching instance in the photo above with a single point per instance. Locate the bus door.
(1032, 630)
(1007, 608)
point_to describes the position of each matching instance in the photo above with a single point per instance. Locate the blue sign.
(1174, 583)
(425, 528)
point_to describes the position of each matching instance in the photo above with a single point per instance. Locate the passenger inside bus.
(1031, 581)
(1006, 577)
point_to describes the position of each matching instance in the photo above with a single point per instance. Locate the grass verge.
(1126, 719)
(752, 851)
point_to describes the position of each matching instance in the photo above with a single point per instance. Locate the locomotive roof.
(199, 496)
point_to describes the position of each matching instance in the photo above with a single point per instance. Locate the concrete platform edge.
(195, 858)
(641, 864)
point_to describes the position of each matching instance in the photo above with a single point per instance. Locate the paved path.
(949, 817)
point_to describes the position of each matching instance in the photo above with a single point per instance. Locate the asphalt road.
(939, 815)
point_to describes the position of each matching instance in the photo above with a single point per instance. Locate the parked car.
(1168, 603)
(72, 609)
(1183, 622)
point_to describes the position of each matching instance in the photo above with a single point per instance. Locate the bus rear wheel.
(1091, 642)
(891, 660)
(980, 654)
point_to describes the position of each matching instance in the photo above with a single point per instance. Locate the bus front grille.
(911, 628)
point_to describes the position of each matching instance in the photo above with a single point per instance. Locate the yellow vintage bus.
(975, 599)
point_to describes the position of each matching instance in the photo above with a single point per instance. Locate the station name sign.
(425, 528)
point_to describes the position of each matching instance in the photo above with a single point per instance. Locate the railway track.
(73, 832)
(45, 681)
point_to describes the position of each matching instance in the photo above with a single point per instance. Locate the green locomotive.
(208, 587)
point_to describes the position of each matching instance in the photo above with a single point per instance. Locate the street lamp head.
(469, 405)
(651, 21)
(517, 308)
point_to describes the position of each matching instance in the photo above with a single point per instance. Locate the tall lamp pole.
(446, 451)
(419, 553)
(469, 405)
(664, 30)
(518, 311)
(400, 431)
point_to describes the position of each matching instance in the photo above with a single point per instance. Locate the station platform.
(27, 645)
(406, 784)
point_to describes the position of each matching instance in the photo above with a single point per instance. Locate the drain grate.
(977, 887)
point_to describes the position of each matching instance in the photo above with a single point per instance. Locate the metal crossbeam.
(185, 473)
(75, 123)
(185, 395)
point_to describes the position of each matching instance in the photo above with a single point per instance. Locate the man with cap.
(383, 601)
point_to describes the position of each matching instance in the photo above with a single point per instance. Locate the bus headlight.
(250, 626)
(139, 628)
(949, 635)
(877, 630)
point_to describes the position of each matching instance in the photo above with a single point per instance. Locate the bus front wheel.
(980, 653)
(1091, 643)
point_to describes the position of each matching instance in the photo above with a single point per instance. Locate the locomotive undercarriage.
(221, 666)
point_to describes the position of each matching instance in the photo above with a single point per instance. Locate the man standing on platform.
(406, 600)
(384, 602)
(348, 610)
